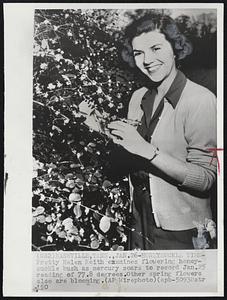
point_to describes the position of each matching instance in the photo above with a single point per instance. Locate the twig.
(84, 246)
(51, 108)
(36, 248)
(51, 29)
(130, 229)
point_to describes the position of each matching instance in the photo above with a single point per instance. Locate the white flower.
(58, 57)
(51, 86)
(35, 164)
(42, 197)
(77, 67)
(50, 239)
(81, 231)
(66, 16)
(69, 33)
(44, 44)
(87, 210)
(82, 77)
(99, 90)
(70, 238)
(110, 105)
(43, 66)
(34, 174)
(37, 89)
(36, 48)
(124, 238)
(59, 84)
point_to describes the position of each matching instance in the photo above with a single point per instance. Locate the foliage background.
(77, 202)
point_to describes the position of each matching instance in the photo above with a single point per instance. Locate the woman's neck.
(166, 83)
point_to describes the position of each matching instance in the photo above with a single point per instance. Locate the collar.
(173, 94)
(176, 88)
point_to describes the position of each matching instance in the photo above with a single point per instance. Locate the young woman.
(171, 191)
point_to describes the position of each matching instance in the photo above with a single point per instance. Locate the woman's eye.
(156, 48)
(137, 53)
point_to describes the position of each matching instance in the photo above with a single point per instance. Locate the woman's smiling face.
(153, 55)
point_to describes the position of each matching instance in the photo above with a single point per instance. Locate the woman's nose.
(148, 58)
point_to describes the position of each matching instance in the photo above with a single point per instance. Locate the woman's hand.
(86, 108)
(128, 137)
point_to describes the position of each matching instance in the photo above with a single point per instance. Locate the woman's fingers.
(116, 140)
(117, 133)
(85, 108)
(116, 125)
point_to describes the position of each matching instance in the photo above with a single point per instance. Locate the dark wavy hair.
(164, 24)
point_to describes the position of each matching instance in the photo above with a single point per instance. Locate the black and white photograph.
(126, 149)
(124, 101)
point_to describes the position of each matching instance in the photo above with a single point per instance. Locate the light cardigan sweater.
(185, 131)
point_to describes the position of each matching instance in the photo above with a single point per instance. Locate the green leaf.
(104, 224)
(70, 184)
(73, 230)
(77, 211)
(39, 210)
(67, 223)
(41, 219)
(62, 234)
(94, 244)
(33, 221)
(74, 197)
(106, 184)
(48, 219)
(69, 176)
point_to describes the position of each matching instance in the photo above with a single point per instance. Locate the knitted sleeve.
(201, 136)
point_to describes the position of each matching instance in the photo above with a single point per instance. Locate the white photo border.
(18, 47)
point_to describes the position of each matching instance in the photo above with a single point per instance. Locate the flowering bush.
(76, 204)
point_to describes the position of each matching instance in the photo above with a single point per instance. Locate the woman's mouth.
(154, 68)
